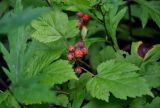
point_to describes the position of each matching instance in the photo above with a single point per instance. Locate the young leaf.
(119, 78)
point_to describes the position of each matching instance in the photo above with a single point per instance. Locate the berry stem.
(85, 64)
(62, 92)
(87, 71)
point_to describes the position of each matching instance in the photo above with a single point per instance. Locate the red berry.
(81, 44)
(72, 48)
(86, 18)
(78, 53)
(79, 14)
(70, 56)
(85, 51)
(78, 70)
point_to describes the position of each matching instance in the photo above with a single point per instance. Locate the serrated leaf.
(52, 27)
(31, 92)
(154, 104)
(58, 73)
(40, 60)
(119, 78)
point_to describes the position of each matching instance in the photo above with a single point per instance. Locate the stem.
(3, 83)
(88, 71)
(105, 27)
(48, 3)
(85, 64)
(62, 92)
(130, 18)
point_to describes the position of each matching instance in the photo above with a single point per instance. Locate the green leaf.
(58, 73)
(119, 78)
(3, 96)
(113, 20)
(8, 101)
(71, 29)
(149, 8)
(10, 21)
(90, 41)
(41, 60)
(53, 26)
(106, 53)
(144, 16)
(78, 90)
(31, 92)
(101, 104)
(138, 103)
(154, 104)
(62, 100)
(151, 72)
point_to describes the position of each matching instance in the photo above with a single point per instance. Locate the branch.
(130, 18)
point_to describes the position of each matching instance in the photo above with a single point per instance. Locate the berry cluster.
(78, 51)
(84, 18)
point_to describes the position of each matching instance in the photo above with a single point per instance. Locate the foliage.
(116, 68)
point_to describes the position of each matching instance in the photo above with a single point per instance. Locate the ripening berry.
(86, 18)
(78, 70)
(85, 51)
(81, 44)
(79, 14)
(70, 56)
(78, 53)
(71, 48)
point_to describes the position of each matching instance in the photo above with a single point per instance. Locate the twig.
(62, 92)
(48, 3)
(85, 64)
(3, 83)
(88, 71)
(130, 18)
(105, 27)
